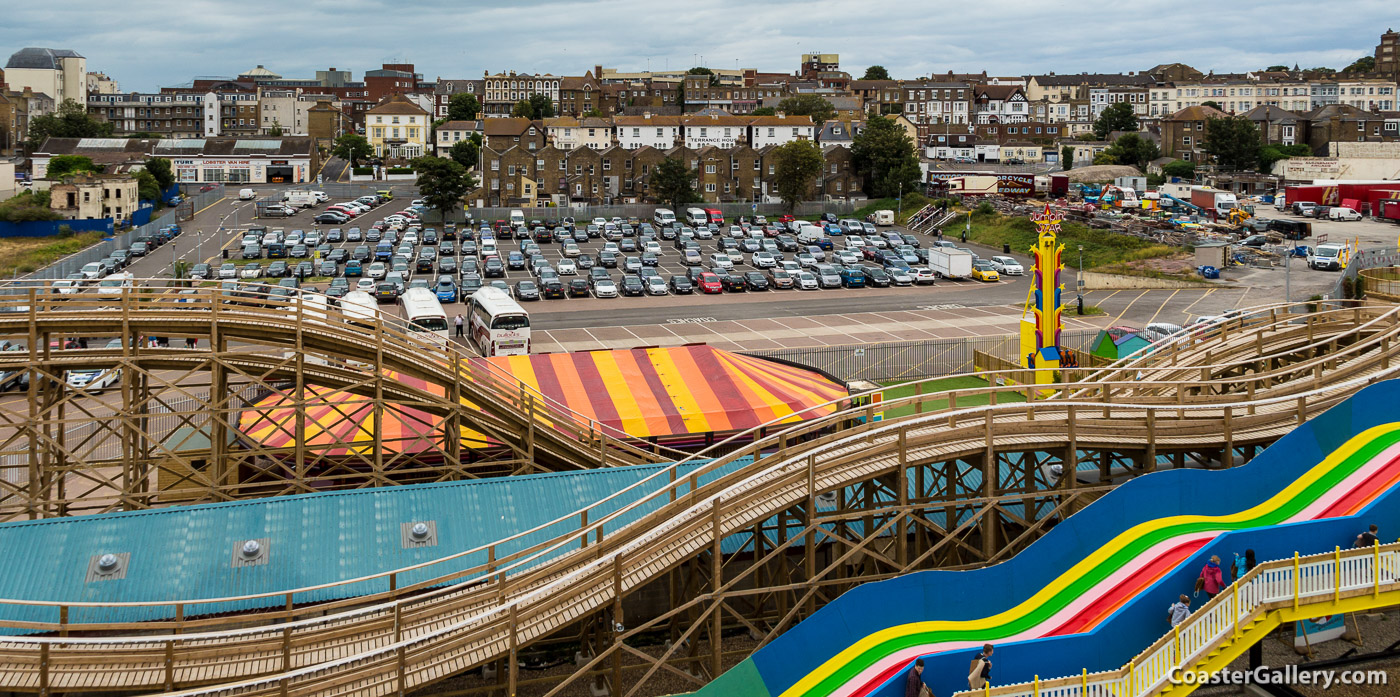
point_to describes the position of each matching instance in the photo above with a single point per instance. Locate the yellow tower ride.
(1041, 319)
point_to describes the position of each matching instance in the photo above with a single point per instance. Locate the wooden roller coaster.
(826, 504)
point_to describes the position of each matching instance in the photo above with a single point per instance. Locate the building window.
(710, 187)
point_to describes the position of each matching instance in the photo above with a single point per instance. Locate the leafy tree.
(1131, 149)
(1364, 64)
(160, 169)
(1276, 69)
(353, 147)
(593, 114)
(463, 106)
(537, 106)
(764, 111)
(63, 165)
(796, 166)
(465, 153)
(1067, 157)
(442, 182)
(1233, 141)
(1117, 117)
(1180, 169)
(808, 105)
(71, 120)
(886, 158)
(1269, 154)
(876, 72)
(146, 186)
(1321, 69)
(673, 184)
(1212, 104)
(714, 79)
(276, 130)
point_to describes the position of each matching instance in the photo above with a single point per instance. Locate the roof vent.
(418, 534)
(250, 553)
(107, 567)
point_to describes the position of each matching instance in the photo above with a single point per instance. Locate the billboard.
(1019, 185)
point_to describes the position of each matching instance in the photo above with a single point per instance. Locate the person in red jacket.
(1212, 579)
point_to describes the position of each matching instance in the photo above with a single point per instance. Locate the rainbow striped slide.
(1121, 560)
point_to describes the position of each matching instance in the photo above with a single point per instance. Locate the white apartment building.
(777, 130)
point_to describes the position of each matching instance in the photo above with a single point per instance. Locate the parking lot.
(669, 262)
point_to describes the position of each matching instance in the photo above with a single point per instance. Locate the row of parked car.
(1308, 209)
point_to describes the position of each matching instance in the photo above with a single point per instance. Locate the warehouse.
(261, 160)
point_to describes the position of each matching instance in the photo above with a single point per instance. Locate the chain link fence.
(912, 360)
(75, 262)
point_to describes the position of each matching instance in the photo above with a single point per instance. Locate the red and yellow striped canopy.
(675, 390)
(642, 392)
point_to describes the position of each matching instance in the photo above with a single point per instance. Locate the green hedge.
(399, 170)
(364, 170)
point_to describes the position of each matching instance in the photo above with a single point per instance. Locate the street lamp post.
(1079, 281)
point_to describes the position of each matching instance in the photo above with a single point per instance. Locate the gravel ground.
(1378, 630)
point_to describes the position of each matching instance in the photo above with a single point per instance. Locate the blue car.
(833, 229)
(384, 251)
(446, 290)
(354, 268)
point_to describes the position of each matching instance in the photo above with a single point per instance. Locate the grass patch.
(1101, 247)
(1089, 311)
(959, 382)
(26, 254)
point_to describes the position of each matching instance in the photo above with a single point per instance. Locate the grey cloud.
(153, 43)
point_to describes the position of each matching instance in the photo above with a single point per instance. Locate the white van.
(1340, 213)
(517, 218)
(663, 218)
(696, 216)
(810, 234)
(246, 195)
(300, 199)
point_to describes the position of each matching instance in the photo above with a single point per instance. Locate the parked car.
(1007, 266)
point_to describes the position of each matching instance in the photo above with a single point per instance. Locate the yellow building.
(397, 128)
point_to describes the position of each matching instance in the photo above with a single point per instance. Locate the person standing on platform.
(458, 322)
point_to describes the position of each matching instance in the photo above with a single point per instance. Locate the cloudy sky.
(154, 43)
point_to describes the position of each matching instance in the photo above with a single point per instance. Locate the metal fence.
(75, 262)
(912, 360)
(1364, 259)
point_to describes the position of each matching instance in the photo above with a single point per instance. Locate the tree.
(1323, 70)
(808, 105)
(593, 114)
(796, 166)
(1116, 117)
(1364, 64)
(465, 153)
(714, 79)
(463, 107)
(1180, 169)
(276, 130)
(1269, 154)
(1067, 157)
(764, 111)
(876, 72)
(1276, 69)
(1212, 104)
(71, 120)
(352, 147)
(1233, 141)
(886, 158)
(674, 184)
(1130, 149)
(442, 182)
(160, 169)
(146, 187)
(63, 165)
(537, 106)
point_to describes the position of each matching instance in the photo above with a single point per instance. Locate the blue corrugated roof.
(184, 553)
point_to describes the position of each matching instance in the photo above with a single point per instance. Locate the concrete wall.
(1109, 281)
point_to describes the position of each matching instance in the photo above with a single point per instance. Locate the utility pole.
(1079, 281)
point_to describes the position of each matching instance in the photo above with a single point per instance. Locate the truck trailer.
(947, 262)
(1213, 200)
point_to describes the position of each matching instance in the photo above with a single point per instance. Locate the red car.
(710, 283)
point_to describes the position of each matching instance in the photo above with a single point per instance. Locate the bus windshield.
(429, 324)
(511, 322)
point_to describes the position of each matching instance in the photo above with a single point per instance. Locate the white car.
(704, 233)
(91, 379)
(611, 247)
(227, 271)
(410, 238)
(600, 222)
(377, 270)
(692, 257)
(806, 280)
(923, 275)
(1008, 266)
(66, 287)
(790, 266)
(721, 260)
(321, 196)
(365, 284)
(312, 239)
(93, 270)
(762, 260)
(604, 289)
(566, 267)
(651, 246)
(571, 249)
(656, 285)
(848, 257)
(807, 260)
(854, 242)
(251, 271)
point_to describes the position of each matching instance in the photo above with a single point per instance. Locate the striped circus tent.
(646, 393)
